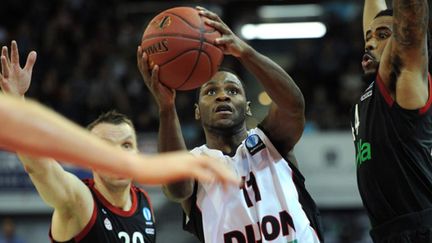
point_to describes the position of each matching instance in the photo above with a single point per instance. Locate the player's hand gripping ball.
(182, 45)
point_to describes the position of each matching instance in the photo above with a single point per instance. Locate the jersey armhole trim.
(89, 225)
(384, 91)
(389, 100)
(429, 102)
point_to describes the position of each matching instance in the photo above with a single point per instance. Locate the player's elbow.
(179, 191)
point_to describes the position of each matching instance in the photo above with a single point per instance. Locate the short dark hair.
(385, 12)
(221, 69)
(111, 117)
(389, 12)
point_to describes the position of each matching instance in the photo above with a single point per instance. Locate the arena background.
(86, 65)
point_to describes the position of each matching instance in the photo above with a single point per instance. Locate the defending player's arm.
(170, 135)
(404, 64)
(51, 135)
(64, 192)
(285, 120)
(370, 10)
(59, 189)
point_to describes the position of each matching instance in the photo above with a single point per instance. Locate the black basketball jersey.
(393, 154)
(109, 224)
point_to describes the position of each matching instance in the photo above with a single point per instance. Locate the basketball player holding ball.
(392, 122)
(108, 208)
(272, 203)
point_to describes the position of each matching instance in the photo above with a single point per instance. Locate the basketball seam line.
(188, 50)
(149, 37)
(188, 23)
(199, 54)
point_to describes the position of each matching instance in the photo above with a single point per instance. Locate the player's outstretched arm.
(285, 121)
(53, 183)
(170, 137)
(50, 135)
(409, 53)
(59, 189)
(370, 10)
(404, 63)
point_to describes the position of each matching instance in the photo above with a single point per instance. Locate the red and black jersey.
(111, 224)
(393, 154)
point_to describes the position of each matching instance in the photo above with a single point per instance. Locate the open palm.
(15, 80)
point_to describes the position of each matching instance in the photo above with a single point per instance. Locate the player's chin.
(224, 123)
(120, 181)
(369, 75)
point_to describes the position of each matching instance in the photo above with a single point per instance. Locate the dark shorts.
(409, 228)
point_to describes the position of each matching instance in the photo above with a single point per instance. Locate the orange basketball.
(181, 44)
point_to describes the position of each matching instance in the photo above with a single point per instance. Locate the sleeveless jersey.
(110, 224)
(393, 154)
(272, 205)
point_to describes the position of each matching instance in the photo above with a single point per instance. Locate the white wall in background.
(327, 161)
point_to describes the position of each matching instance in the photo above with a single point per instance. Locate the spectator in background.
(8, 234)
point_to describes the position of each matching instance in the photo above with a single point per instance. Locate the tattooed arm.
(404, 64)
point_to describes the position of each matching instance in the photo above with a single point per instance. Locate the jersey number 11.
(251, 183)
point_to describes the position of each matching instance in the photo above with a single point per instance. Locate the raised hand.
(165, 97)
(230, 43)
(15, 80)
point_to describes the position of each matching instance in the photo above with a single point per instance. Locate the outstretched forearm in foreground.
(29, 128)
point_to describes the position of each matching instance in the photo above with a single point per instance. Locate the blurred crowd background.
(87, 65)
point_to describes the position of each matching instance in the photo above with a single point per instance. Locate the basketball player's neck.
(119, 197)
(225, 140)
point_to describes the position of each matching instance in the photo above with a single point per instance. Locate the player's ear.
(197, 112)
(248, 109)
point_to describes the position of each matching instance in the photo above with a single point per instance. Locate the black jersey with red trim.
(111, 224)
(393, 154)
